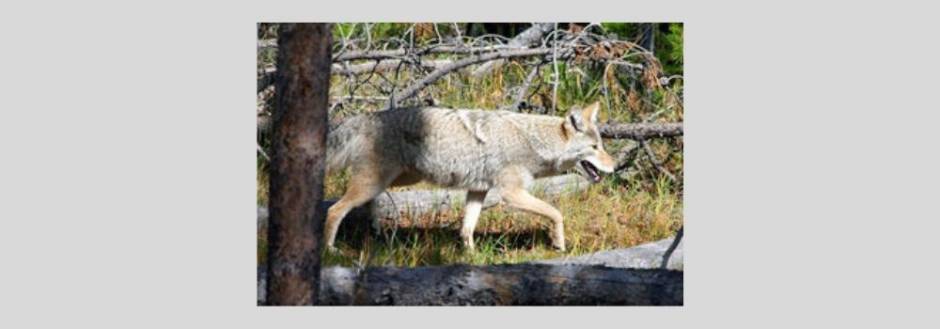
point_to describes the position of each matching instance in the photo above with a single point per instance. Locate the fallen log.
(641, 131)
(392, 206)
(647, 255)
(517, 284)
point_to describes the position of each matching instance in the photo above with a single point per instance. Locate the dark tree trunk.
(647, 41)
(297, 164)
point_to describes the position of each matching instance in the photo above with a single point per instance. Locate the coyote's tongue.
(591, 170)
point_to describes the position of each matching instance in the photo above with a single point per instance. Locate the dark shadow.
(355, 233)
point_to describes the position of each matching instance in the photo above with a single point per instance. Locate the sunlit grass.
(605, 216)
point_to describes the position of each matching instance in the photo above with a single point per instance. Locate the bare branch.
(640, 131)
(398, 53)
(384, 66)
(524, 88)
(437, 74)
(656, 162)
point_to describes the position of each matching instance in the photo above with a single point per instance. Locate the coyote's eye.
(594, 146)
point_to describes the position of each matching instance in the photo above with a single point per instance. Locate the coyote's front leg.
(470, 217)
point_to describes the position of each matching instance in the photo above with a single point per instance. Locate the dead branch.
(370, 99)
(524, 89)
(398, 53)
(641, 131)
(413, 89)
(656, 162)
(364, 68)
(628, 158)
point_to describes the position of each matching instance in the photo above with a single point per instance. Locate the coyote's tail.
(342, 143)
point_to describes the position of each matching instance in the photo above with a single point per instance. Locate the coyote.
(474, 150)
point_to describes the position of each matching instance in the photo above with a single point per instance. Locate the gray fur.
(467, 149)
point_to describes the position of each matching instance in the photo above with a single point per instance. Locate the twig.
(459, 35)
(520, 94)
(264, 155)
(655, 161)
(629, 158)
(359, 98)
(368, 31)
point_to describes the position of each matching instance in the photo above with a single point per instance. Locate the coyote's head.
(585, 147)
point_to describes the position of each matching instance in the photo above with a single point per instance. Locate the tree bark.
(517, 284)
(297, 164)
(648, 32)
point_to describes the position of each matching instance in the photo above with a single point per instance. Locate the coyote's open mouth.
(591, 170)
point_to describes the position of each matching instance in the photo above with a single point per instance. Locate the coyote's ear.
(576, 120)
(590, 113)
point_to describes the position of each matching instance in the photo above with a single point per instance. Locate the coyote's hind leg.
(364, 185)
(519, 198)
